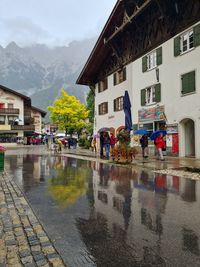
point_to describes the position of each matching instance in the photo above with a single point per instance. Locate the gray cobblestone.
(23, 241)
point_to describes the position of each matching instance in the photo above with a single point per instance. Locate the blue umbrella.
(141, 131)
(127, 111)
(156, 133)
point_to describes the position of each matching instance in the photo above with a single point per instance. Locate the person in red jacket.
(160, 144)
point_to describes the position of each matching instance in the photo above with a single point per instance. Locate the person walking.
(144, 145)
(101, 145)
(106, 142)
(94, 144)
(160, 144)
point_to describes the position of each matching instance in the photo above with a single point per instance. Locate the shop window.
(119, 76)
(187, 41)
(151, 95)
(103, 85)
(147, 126)
(2, 120)
(188, 83)
(103, 108)
(118, 103)
(152, 60)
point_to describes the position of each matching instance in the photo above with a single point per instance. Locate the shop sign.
(172, 128)
(151, 114)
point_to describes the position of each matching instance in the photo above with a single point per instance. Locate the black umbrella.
(127, 111)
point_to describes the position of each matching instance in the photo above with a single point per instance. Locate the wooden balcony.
(9, 111)
(23, 127)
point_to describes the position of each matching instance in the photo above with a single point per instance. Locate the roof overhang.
(102, 49)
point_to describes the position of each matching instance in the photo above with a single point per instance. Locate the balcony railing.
(23, 127)
(9, 111)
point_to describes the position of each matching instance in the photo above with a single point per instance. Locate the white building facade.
(163, 79)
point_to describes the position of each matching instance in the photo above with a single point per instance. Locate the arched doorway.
(188, 137)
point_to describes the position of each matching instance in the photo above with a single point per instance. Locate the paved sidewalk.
(23, 241)
(151, 162)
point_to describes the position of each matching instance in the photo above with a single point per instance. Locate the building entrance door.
(187, 145)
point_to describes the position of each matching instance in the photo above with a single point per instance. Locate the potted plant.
(123, 153)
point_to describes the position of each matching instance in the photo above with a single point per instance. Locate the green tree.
(68, 113)
(90, 104)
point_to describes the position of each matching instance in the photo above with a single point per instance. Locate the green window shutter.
(143, 97)
(188, 82)
(144, 64)
(157, 92)
(99, 89)
(197, 35)
(124, 74)
(115, 78)
(177, 46)
(114, 103)
(159, 56)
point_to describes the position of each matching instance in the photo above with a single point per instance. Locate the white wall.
(177, 107)
(18, 102)
(112, 119)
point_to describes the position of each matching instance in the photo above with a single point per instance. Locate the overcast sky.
(52, 22)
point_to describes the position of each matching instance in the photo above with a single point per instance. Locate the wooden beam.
(136, 13)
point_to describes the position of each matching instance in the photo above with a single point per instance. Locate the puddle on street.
(102, 215)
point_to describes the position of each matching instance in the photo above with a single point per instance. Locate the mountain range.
(40, 72)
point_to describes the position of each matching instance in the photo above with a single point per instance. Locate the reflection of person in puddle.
(103, 174)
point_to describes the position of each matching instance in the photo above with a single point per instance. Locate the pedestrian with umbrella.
(159, 142)
(144, 145)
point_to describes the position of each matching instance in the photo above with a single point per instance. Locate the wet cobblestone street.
(23, 240)
(95, 214)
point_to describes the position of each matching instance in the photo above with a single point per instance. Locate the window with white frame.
(103, 108)
(118, 103)
(187, 41)
(103, 85)
(151, 60)
(150, 95)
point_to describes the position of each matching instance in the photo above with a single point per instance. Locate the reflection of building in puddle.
(112, 195)
(188, 190)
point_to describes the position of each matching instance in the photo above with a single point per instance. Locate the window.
(118, 103)
(151, 95)
(2, 120)
(119, 76)
(10, 105)
(152, 60)
(188, 83)
(2, 105)
(103, 108)
(187, 41)
(103, 85)
(11, 119)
